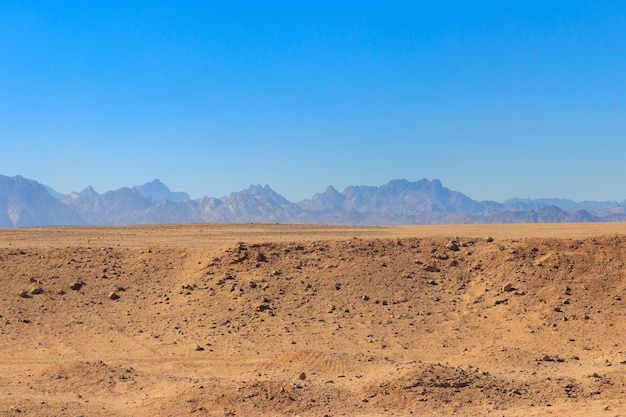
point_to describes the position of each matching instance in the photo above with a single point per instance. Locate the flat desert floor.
(287, 320)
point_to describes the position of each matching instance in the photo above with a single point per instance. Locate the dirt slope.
(252, 320)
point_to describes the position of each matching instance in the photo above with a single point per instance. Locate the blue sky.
(497, 99)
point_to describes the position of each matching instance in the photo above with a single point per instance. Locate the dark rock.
(36, 290)
(453, 246)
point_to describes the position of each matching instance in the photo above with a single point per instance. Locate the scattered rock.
(302, 376)
(113, 295)
(263, 307)
(36, 290)
(431, 268)
(24, 294)
(488, 239)
(508, 287)
(76, 285)
(453, 246)
(198, 348)
(260, 257)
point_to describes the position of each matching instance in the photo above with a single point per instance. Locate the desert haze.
(286, 320)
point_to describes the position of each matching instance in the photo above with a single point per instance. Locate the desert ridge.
(287, 320)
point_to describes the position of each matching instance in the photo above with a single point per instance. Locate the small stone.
(24, 294)
(508, 287)
(260, 257)
(302, 376)
(76, 285)
(488, 239)
(113, 295)
(263, 307)
(453, 246)
(36, 290)
(198, 348)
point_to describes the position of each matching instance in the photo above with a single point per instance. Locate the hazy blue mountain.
(26, 202)
(256, 204)
(404, 198)
(331, 199)
(158, 191)
(562, 203)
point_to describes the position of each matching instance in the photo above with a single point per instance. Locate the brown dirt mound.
(377, 323)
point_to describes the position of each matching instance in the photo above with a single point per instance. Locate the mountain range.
(25, 202)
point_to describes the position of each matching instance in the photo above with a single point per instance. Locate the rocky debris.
(431, 268)
(548, 358)
(263, 307)
(198, 348)
(260, 257)
(36, 290)
(24, 294)
(76, 285)
(508, 287)
(453, 246)
(302, 376)
(488, 239)
(113, 295)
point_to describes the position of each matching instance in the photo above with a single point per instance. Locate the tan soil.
(285, 320)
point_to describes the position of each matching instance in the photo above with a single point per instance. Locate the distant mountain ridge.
(25, 202)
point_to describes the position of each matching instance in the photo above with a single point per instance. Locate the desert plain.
(298, 320)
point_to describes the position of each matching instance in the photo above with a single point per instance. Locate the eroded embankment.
(350, 327)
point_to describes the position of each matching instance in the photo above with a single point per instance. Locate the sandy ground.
(286, 320)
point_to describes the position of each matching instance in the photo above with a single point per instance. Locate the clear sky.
(497, 99)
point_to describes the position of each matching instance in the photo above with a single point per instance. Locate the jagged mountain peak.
(158, 191)
(89, 192)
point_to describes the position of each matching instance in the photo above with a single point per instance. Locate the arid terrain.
(286, 320)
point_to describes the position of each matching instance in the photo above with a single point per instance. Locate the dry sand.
(286, 320)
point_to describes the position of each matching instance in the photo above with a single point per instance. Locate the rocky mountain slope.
(27, 203)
